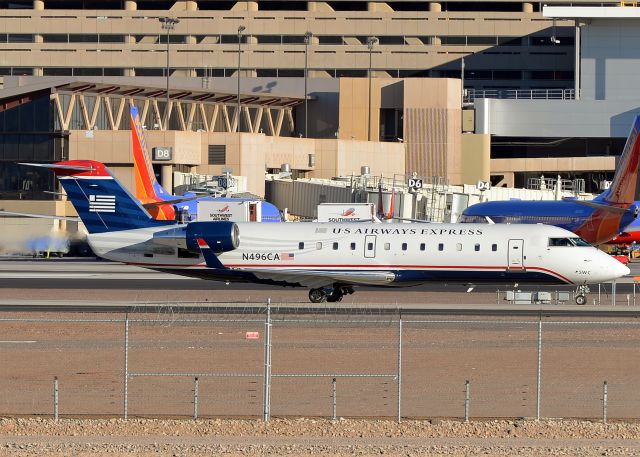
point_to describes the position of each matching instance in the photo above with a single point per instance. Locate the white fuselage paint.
(467, 253)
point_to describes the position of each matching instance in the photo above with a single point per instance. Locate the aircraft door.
(516, 255)
(370, 246)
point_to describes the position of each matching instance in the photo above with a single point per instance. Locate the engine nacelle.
(221, 236)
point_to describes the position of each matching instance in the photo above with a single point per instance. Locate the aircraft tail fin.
(102, 202)
(625, 181)
(148, 189)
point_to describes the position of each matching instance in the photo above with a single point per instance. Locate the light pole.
(168, 23)
(241, 29)
(307, 39)
(371, 41)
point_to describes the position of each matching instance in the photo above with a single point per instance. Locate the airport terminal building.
(464, 90)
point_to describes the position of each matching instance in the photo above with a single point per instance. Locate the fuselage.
(592, 224)
(401, 254)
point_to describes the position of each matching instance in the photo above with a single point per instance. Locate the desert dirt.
(308, 437)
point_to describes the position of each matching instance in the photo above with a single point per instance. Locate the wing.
(41, 216)
(322, 278)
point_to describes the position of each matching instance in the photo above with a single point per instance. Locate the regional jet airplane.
(597, 221)
(328, 258)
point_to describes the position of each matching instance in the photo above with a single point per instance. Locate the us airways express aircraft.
(328, 258)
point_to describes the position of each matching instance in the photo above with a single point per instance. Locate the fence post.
(267, 365)
(55, 398)
(605, 395)
(599, 294)
(634, 293)
(539, 374)
(126, 367)
(467, 398)
(334, 398)
(195, 399)
(613, 293)
(399, 368)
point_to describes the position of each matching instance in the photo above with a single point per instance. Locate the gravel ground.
(146, 437)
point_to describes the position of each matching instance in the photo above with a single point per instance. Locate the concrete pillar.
(38, 5)
(527, 7)
(185, 5)
(245, 6)
(130, 5)
(319, 7)
(378, 7)
(166, 175)
(435, 7)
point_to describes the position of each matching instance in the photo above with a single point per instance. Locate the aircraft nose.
(621, 269)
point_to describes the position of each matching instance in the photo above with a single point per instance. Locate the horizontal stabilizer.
(55, 166)
(592, 204)
(41, 216)
(172, 201)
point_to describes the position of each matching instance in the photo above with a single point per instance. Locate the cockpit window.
(560, 242)
(568, 242)
(580, 242)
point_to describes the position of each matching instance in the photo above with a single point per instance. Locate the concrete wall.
(610, 59)
(556, 118)
(476, 158)
(432, 127)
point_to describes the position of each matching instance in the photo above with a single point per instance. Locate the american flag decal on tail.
(102, 203)
(286, 256)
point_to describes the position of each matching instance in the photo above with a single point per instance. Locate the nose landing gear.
(581, 294)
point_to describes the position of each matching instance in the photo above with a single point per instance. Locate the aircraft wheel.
(581, 299)
(317, 296)
(336, 295)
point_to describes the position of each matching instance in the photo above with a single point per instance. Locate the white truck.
(228, 209)
(346, 212)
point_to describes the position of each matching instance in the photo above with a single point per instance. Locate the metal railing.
(519, 94)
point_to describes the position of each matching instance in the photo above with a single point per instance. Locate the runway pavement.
(84, 284)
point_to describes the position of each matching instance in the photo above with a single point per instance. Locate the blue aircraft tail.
(102, 202)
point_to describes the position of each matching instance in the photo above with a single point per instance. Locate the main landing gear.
(331, 295)
(581, 294)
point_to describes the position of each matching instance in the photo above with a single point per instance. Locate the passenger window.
(387, 246)
(301, 245)
(353, 246)
(441, 247)
(319, 245)
(335, 246)
(458, 246)
(423, 246)
(494, 247)
(370, 246)
(477, 247)
(404, 246)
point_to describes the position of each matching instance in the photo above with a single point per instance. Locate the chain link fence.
(261, 364)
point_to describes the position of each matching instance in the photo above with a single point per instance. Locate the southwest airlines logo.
(224, 210)
(349, 212)
(102, 203)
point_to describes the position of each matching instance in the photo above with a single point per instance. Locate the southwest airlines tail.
(148, 189)
(622, 191)
(102, 202)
